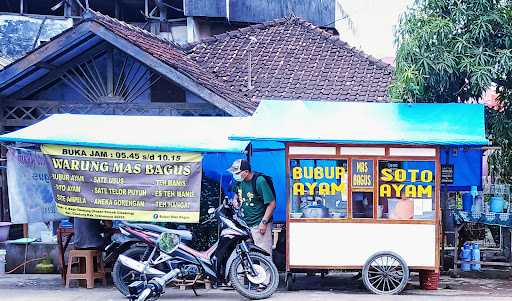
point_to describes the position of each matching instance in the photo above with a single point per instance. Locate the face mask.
(238, 177)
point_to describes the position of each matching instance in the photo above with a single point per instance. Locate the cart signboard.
(134, 185)
(362, 174)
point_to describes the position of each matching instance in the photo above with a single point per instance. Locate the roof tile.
(293, 59)
(175, 57)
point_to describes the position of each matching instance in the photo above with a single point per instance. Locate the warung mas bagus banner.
(121, 184)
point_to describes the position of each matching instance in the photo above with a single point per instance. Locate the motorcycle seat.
(183, 234)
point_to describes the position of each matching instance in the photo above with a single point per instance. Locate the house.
(101, 65)
(178, 20)
(105, 66)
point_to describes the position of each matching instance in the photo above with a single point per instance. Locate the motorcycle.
(233, 260)
(133, 244)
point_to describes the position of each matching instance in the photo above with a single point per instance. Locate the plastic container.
(496, 204)
(65, 224)
(47, 237)
(474, 191)
(467, 202)
(2, 261)
(429, 280)
(465, 256)
(478, 205)
(400, 208)
(4, 231)
(475, 256)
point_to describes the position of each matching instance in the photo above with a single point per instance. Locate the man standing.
(257, 206)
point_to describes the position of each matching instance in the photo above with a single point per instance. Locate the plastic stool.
(86, 261)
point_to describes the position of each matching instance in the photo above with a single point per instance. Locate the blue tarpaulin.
(467, 167)
(366, 123)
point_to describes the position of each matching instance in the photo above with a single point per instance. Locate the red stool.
(86, 260)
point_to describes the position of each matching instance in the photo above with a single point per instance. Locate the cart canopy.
(366, 123)
(160, 133)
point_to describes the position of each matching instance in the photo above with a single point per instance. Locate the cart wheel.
(289, 281)
(385, 273)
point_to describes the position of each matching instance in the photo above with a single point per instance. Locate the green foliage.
(499, 124)
(455, 50)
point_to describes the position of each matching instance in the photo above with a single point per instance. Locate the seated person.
(90, 233)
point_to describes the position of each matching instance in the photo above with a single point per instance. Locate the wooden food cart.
(363, 182)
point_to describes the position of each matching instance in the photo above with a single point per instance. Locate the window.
(406, 190)
(362, 188)
(318, 188)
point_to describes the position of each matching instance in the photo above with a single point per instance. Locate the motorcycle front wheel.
(122, 276)
(260, 286)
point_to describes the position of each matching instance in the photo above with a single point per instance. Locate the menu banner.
(119, 184)
(447, 172)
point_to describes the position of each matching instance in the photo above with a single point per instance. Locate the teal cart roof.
(160, 133)
(366, 123)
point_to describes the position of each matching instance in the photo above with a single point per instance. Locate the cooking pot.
(316, 212)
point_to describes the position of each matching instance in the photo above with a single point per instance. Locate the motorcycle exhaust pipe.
(156, 285)
(139, 266)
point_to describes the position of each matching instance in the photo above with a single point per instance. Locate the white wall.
(351, 244)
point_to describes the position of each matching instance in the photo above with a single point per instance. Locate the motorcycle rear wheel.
(242, 283)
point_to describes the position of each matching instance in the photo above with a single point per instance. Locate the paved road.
(337, 287)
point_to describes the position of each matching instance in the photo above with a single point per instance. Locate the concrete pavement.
(333, 287)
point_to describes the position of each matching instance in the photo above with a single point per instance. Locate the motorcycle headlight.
(168, 242)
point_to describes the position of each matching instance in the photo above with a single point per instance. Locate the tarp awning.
(161, 133)
(366, 123)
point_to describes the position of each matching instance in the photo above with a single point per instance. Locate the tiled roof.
(173, 56)
(293, 59)
(4, 62)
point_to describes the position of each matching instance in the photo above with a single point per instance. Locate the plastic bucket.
(2, 261)
(4, 231)
(429, 280)
(496, 204)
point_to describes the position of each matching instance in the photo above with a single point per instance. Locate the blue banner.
(30, 193)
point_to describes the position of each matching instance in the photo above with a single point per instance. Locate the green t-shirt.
(254, 205)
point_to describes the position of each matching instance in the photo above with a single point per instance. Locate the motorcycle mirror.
(211, 210)
(168, 242)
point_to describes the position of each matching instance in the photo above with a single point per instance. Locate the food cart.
(363, 182)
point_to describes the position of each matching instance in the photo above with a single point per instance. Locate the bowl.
(296, 214)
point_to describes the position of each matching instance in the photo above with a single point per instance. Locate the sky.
(374, 22)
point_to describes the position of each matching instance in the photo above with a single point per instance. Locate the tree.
(454, 51)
